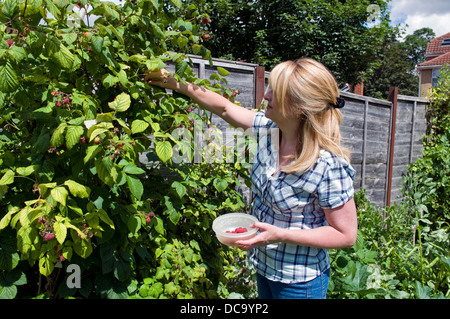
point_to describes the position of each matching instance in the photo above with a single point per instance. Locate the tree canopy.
(396, 64)
(344, 35)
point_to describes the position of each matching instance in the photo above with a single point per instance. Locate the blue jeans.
(313, 289)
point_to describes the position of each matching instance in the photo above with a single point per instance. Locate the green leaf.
(97, 43)
(180, 67)
(73, 135)
(5, 220)
(121, 103)
(9, 80)
(176, 3)
(174, 216)
(52, 8)
(59, 52)
(46, 266)
(164, 150)
(109, 80)
(83, 248)
(157, 30)
(105, 218)
(60, 195)
(159, 225)
(91, 152)
(220, 184)
(106, 171)
(133, 169)
(123, 78)
(57, 138)
(60, 231)
(222, 71)
(134, 224)
(77, 189)
(27, 215)
(122, 269)
(135, 186)
(8, 178)
(10, 8)
(179, 188)
(138, 126)
(25, 171)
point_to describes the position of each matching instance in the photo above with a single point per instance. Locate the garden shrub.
(76, 119)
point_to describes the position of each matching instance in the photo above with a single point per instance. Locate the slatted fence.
(384, 136)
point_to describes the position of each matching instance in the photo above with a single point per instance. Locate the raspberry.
(49, 236)
(10, 42)
(238, 230)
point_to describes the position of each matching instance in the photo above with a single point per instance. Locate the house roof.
(440, 60)
(435, 46)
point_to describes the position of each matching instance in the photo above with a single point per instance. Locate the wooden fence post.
(260, 85)
(393, 94)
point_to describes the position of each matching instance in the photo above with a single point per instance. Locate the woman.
(303, 188)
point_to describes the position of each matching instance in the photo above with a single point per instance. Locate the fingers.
(157, 76)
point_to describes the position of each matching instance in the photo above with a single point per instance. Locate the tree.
(337, 33)
(397, 62)
(416, 44)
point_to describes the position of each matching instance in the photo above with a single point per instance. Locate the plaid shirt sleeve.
(336, 185)
(261, 125)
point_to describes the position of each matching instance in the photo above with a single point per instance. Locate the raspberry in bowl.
(231, 227)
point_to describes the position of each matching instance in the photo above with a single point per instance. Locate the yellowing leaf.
(45, 266)
(60, 195)
(25, 171)
(73, 135)
(58, 135)
(8, 178)
(164, 150)
(60, 231)
(121, 103)
(138, 126)
(77, 189)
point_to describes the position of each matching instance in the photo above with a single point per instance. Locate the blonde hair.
(306, 89)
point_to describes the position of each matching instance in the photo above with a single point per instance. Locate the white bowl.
(231, 221)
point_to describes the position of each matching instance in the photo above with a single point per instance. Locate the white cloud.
(438, 22)
(417, 14)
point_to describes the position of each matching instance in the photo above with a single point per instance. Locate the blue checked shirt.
(294, 201)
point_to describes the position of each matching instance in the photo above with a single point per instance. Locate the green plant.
(391, 257)
(76, 118)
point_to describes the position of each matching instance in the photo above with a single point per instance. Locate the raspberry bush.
(76, 119)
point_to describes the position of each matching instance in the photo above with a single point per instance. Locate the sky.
(417, 14)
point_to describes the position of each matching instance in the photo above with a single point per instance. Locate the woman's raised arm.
(235, 115)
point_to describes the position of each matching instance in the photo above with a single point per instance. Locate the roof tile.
(440, 60)
(434, 46)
